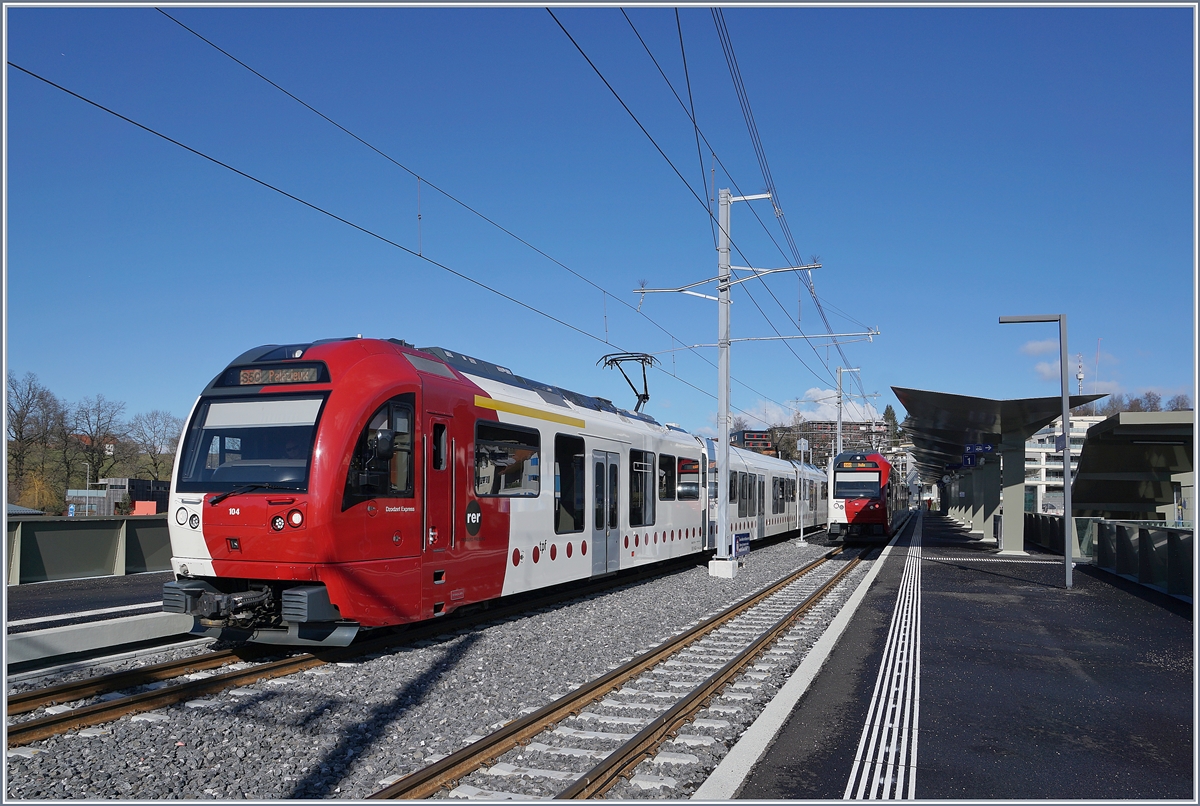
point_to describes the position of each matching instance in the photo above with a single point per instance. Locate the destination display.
(258, 377)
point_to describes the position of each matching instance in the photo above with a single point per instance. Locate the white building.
(1044, 463)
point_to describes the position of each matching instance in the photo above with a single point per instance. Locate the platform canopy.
(1130, 463)
(941, 425)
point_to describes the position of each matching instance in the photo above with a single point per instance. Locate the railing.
(1151, 553)
(1154, 555)
(42, 549)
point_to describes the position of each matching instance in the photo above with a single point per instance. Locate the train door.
(606, 524)
(438, 491)
(762, 509)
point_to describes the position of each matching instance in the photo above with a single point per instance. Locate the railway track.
(701, 663)
(167, 689)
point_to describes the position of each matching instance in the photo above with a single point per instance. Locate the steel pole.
(1068, 520)
(838, 444)
(723, 531)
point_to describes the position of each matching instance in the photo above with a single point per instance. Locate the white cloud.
(1047, 370)
(1039, 347)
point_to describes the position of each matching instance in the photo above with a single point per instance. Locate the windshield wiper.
(262, 485)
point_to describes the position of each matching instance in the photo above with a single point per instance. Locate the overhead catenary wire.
(743, 98)
(691, 114)
(424, 180)
(340, 219)
(687, 184)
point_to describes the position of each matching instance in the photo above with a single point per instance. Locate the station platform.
(69, 617)
(966, 674)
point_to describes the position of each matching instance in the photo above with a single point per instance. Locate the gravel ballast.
(344, 730)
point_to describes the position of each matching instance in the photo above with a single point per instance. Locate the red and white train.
(357, 483)
(865, 498)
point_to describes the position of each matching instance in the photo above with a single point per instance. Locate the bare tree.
(739, 423)
(103, 436)
(1152, 401)
(1179, 403)
(156, 435)
(30, 408)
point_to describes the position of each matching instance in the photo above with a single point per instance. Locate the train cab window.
(439, 446)
(641, 488)
(376, 471)
(666, 477)
(507, 460)
(569, 462)
(689, 479)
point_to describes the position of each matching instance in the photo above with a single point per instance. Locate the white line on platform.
(84, 613)
(887, 751)
(731, 773)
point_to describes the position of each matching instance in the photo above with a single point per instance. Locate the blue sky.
(949, 166)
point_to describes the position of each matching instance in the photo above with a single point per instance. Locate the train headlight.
(194, 521)
(181, 516)
(277, 523)
(295, 518)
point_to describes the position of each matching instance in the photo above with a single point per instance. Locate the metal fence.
(42, 549)
(1157, 556)
(1147, 552)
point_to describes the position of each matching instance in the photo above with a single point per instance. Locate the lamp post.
(1068, 519)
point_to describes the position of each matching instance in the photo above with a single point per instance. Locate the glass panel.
(689, 479)
(439, 446)
(641, 488)
(614, 481)
(264, 441)
(568, 484)
(599, 485)
(666, 477)
(506, 460)
(856, 485)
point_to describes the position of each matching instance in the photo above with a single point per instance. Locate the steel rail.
(426, 781)
(33, 699)
(623, 760)
(31, 730)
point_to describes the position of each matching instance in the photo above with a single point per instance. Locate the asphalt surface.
(43, 599)
(1027, 690)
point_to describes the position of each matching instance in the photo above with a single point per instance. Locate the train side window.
(824, 490)
(734, 483)
(743, 494)
(666, 477)
(599, 485)
(641, 488)
(689, 479)
(569, 462)
(755, 494)
(372, 472)
(439, 446)
(507, 460)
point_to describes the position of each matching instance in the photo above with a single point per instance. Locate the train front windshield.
(855, 485)
(232, 443)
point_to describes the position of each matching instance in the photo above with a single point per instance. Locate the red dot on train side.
(536, 554)
(553, 551)
(626, 541)
(568, 551)
(583, 547)
(636, 540)
(516, 556)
